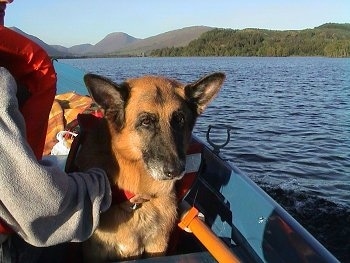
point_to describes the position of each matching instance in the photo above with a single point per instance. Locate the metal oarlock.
(218, 147)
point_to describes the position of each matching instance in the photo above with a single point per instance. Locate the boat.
(225, 216)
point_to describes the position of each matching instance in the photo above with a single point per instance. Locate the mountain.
(74, 50)
(111, 43)
(175, 38)
(49, 49)
(330, 39)
(80, 49)
(119, 43)
(61, 48)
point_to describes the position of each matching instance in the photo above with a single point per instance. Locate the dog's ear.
(104, 92)
(203, 91)
(107, 94)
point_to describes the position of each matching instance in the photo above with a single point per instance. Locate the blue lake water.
(291, 127)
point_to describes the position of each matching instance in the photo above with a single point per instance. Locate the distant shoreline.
(328, 40)
(89, 57)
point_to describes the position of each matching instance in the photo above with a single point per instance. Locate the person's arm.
(40, 202)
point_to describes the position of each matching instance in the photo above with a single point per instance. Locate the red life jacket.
(32, 68)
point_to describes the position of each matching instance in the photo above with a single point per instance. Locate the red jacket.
(33, 70)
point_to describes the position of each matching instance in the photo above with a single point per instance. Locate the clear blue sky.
(71, 22)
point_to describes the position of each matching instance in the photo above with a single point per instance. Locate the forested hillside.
(330, 40)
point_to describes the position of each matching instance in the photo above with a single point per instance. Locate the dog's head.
(151, 118)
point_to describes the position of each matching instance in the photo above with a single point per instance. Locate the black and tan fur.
(141, 142)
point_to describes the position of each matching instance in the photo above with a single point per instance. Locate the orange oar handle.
(190, 222)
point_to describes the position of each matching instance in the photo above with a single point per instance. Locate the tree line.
(329, 40)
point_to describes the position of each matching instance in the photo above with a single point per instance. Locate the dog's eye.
(146, 120)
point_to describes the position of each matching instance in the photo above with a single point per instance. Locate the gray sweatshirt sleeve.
(43, 204)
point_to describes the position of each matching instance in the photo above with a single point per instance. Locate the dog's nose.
(173, 171)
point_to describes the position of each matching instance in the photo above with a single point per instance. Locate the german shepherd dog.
(141, 142)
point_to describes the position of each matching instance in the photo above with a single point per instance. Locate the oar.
(191, 222)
